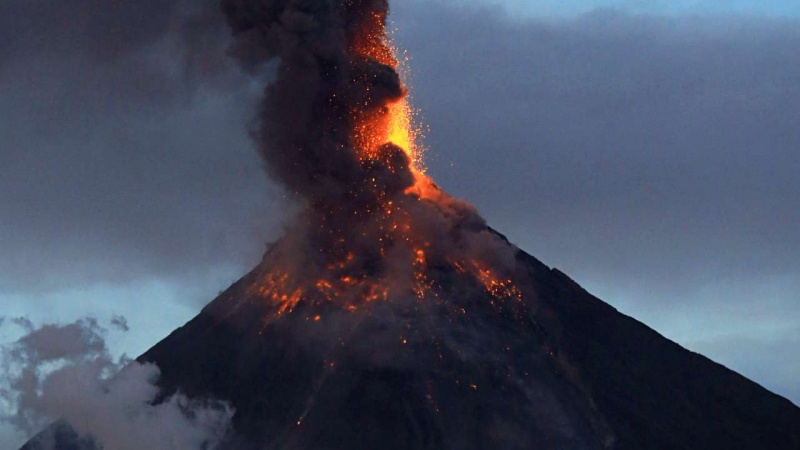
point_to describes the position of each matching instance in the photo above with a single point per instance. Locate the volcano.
(471, 370)
(391, 316)
(559, 370)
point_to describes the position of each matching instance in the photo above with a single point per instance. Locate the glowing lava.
(388, 232)
(395, 123)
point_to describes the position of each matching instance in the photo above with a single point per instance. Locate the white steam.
(66, 373)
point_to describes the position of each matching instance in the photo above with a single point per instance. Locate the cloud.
(651, 158)
(65, 373)
(650, 148)
(124, 151)
(120, 323)
(118, 196)
(117, 168)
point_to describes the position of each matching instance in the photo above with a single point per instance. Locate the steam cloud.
(65, 373)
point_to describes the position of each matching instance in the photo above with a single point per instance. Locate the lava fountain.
(336, 129)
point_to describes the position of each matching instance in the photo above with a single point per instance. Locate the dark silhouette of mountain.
(556, 368)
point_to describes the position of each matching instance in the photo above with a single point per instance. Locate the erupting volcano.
(391, 316)
(336, 129)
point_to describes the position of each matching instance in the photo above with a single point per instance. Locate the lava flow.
(337, 129)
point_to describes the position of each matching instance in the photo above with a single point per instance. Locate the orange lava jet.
(389, 232)
(395, 123)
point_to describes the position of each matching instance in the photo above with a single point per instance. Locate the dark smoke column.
(335, 80)
(334, 128)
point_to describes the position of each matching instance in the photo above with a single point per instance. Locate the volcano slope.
(559, 369)
(555, 368)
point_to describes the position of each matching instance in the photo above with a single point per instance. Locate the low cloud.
(120, 323)
(65, 373)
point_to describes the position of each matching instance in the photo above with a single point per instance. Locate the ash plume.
(327, 131)
(324, 87)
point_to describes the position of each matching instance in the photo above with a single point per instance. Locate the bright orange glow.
(499, 287)
(276, 286)
(401, 130)
(396, 124)
(353, 278)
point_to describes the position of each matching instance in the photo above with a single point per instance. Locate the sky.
(647, 149)
(570, 8)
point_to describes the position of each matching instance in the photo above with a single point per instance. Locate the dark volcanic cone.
(459, 369)
(467, 370)
(463, 369)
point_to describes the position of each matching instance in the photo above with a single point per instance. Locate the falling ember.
(499, 287)
(395, 124)
(276, 287)
(402, 132)
(338, 130)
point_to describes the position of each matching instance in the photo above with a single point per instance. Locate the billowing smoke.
(327, 84)
(66, 373)
(331, 132)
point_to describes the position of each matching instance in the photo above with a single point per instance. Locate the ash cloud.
(335, 77)
(65, 373)
(305, 130)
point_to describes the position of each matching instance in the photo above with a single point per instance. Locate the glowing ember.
(276, 288)
(498, 287)
(395, 124)
(338, 130)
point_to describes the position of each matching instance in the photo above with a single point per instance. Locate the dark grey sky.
(652, 158)
(678, 137)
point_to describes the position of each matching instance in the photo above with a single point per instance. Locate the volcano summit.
(390, 316)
